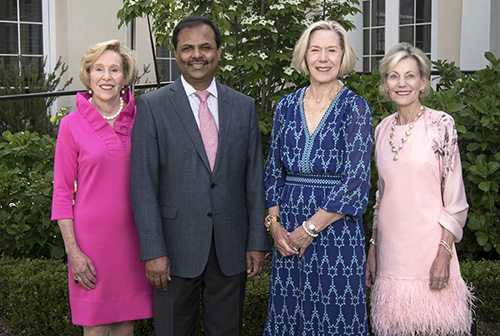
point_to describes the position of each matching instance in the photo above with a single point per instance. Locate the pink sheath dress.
(418, 195)
(97, 156)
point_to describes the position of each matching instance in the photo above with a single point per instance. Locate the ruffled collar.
(115, 138)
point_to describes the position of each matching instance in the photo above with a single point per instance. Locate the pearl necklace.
(407, 133)
(114, 116)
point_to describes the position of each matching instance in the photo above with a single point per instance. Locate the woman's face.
(324, 56)
(404, 82)
(106, 77)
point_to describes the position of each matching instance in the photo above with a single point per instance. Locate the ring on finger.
(77, 280)
(445, 284)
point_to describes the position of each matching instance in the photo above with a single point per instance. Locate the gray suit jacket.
(177, 201)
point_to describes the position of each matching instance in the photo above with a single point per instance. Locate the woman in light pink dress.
(108, 288)
(420, 211)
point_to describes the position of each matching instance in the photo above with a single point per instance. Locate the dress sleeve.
(454, 212)
(65, 173)
(376, 207)
(351, 196)
(274, 175)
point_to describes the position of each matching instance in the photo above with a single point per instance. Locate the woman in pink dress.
(91, 202)
(420, 211)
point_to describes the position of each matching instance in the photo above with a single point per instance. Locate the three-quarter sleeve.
(274, 174)
(351, 196)
(454, 213)
(65, 173)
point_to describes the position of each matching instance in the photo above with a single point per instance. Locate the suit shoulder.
(235, 94)
(160, 93)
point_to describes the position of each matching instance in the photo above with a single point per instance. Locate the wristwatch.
(270, 219)
(312, 227)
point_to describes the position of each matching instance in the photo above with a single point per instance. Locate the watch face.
(312, 226)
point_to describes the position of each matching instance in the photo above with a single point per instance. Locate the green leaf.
(482, 238)
(485, 185)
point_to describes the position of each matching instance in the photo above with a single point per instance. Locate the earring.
(90, 92)
(122, 91)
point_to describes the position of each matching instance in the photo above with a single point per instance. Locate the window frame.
(392, 27)
(44, 33)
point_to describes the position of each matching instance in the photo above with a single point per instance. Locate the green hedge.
(34, 297)
(484, 277)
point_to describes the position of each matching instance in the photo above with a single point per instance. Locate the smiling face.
(324, 56)
(106, 77)
(197, 55)
(404, 83)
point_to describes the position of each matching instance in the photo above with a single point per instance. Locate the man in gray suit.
(198, 199)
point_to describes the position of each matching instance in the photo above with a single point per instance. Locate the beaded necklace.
(395, 149)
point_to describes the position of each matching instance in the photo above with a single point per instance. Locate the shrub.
(28, 114)
(34, 297)
(484, 277)
(26, 175)
(473, 101)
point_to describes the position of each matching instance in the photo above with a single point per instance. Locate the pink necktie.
(208, 129)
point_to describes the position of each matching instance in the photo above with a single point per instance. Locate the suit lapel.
(182, 107)
(224, 121)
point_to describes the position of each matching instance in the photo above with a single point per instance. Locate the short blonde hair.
(401, 51)
(95, 51)
(299, 52)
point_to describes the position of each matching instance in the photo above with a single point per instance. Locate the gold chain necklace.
(317, 110)
(407, 133)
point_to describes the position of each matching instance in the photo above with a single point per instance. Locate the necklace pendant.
(396, 157)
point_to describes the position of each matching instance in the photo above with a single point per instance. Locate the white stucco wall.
(79, 24)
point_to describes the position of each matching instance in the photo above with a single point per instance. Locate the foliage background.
(34, 297)
(28, 114)
(258, 37)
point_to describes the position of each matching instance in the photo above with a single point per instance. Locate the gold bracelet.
(270, 219)
(447, 247)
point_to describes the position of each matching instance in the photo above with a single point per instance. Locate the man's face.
(197, 55)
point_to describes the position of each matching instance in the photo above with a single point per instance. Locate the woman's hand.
(440, 270)
(371, 266)
(300, 239)
(83, 270)
(282, 240)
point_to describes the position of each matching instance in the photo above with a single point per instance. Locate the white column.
(475, 34)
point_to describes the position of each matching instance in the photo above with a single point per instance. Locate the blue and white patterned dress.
(322, 293)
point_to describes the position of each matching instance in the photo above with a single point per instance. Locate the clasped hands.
(290, 243)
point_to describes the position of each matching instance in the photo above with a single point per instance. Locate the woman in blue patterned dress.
(317, 182)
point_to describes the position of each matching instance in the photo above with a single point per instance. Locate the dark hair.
(195, 21)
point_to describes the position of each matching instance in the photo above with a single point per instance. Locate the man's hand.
(255, 261)
(158, 272)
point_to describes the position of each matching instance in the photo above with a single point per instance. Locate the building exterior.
(455, 30)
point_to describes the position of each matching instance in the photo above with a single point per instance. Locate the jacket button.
(209, 214)
(212, 185)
